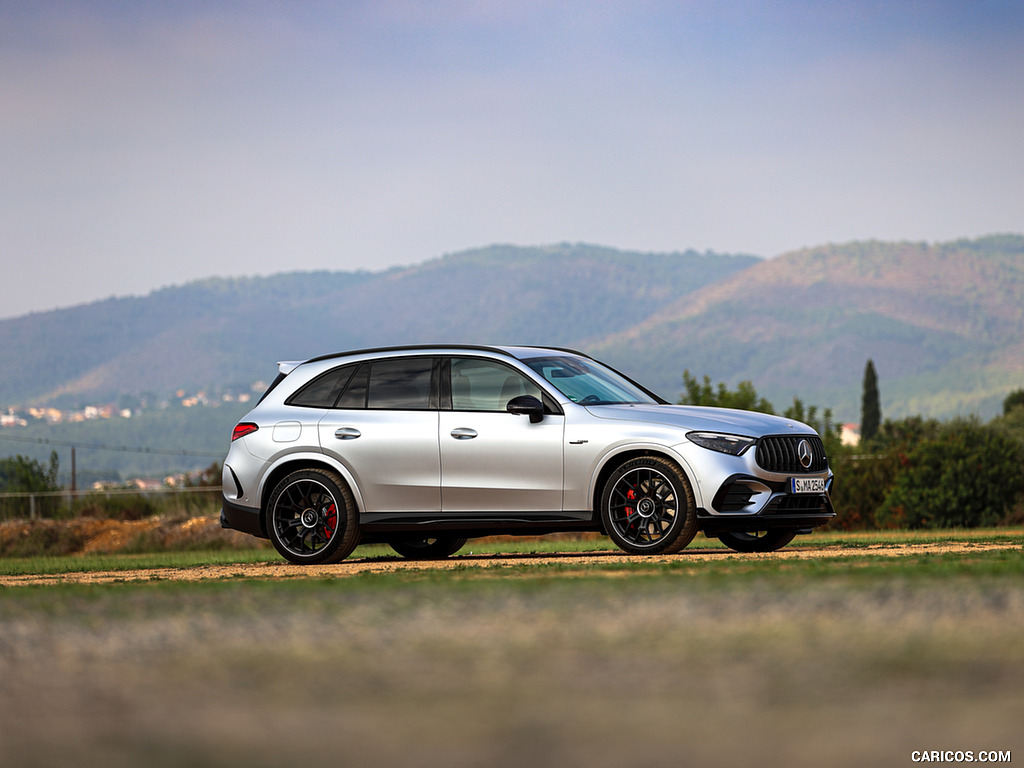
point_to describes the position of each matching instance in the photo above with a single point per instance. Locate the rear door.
(384, 430)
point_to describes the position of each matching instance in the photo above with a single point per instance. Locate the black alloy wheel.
(427, 548)
(648, 508)
(312, 519)
(757, 541)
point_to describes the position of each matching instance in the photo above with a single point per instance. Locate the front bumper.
(798, 513)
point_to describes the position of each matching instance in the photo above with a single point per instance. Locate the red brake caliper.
(630, 494)
(332, 520)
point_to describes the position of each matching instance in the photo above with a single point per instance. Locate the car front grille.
(782, 454)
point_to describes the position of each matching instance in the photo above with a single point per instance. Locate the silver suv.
(426, 447)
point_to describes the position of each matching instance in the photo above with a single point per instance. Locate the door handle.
(347, 433)
(463, 433)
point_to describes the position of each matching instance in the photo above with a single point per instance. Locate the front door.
(492, 460)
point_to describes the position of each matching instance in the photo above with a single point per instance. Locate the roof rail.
(414, 348)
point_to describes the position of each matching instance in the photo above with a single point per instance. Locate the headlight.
(713, 441)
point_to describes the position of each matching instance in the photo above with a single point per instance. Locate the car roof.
(518, 352)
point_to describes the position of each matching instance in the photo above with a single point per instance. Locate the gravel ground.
(352, 567)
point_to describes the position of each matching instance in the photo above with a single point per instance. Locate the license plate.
(807, 484)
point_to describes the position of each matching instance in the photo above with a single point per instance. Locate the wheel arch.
(615, 460)
(295, 464)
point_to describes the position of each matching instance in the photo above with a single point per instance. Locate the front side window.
(586, 381)
(487, 385)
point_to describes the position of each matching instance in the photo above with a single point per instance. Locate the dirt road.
(575, 561)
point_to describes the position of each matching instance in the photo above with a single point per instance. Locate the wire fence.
(120, 503)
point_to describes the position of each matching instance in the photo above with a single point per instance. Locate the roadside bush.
(861, 484)
(865, 475)
(23, 475)
(39, 538)
(117, 507)
(959, 474)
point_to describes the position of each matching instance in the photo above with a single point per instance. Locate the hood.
(704, 419)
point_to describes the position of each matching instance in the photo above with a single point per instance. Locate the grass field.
(847, 661)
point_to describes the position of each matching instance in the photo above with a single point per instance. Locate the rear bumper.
(244, 519)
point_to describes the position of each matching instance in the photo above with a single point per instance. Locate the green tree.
(20, 474)
(864, 480)
(870, 410)
(1013, 400)
(704, 393)
(960, 474)
(825, 425)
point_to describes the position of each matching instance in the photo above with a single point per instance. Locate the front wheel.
(427, 548)
(312, 518)
(757, 541)
(648, 508)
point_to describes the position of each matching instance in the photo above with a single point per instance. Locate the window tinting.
(355, 392)
(486, 385)
(401, 384)
(323, 391)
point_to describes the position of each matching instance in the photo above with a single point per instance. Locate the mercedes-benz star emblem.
(803, 452)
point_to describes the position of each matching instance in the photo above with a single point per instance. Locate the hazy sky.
(145, 144)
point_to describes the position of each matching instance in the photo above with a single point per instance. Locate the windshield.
(587, 382)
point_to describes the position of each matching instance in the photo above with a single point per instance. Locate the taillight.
(242, 429)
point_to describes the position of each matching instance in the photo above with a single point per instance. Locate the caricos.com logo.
(960, 756)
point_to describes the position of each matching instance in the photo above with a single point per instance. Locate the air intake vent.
(782, 454)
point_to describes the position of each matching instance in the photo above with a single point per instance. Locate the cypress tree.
(870, 410)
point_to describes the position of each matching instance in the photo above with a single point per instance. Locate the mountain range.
(943, 322)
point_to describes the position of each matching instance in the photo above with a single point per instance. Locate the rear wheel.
(427, 548)
(757, 541)
(647, 507)
(312, 518)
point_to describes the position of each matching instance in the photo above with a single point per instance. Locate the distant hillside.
(943, 323)
(224, 332)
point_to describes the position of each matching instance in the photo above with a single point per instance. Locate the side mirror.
(527, 405)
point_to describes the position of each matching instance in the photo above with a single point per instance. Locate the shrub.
(859, 489)
(117, 507)
(958, 474)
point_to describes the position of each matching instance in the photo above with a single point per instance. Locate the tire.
(647, 507)
(427, 548)
(757, 541)
(311, 518)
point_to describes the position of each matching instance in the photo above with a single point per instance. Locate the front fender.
(615, 455)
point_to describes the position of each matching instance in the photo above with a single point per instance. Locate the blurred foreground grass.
(847, 661)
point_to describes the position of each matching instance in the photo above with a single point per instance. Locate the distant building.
(850, 434)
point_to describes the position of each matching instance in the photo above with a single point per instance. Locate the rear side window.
(401, 384)
(398, 384)
(355, 392)
(323, 391)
